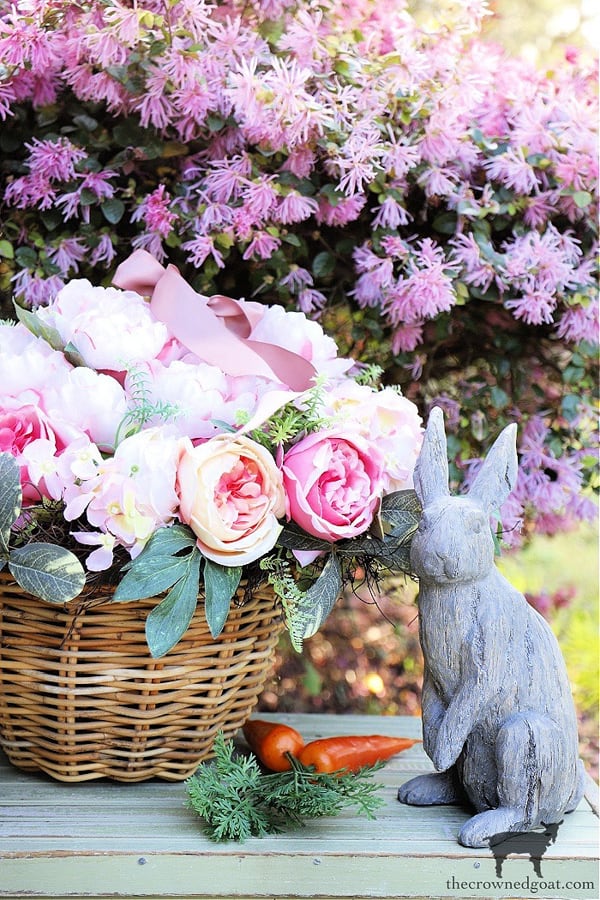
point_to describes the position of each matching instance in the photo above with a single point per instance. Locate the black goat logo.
(533, 843)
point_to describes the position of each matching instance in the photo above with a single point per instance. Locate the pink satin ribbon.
(217, 329)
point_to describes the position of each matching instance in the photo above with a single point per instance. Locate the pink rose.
(231, 495)
(333, 483)
(19, 427)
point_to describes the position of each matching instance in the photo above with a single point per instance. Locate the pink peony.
(231, 496)
(294, 331)
(27, 363)
(333, 483)
(98, 417)
(110, 329)
(384, 417)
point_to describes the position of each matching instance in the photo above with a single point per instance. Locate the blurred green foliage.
(548, 564)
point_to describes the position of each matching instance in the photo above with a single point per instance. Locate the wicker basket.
(81, 697)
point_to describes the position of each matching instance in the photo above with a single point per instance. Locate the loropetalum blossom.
(333, 484)
(231, 495)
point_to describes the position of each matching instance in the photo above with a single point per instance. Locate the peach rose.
(231, 495)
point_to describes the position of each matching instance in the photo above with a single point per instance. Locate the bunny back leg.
(432, 789)
(539, 779)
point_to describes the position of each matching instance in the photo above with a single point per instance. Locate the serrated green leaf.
(402, 521)
(320, 598)
(150, 576)
(167, 623)
(220, 584)
(294, 538)
(47, 571)
(10, 498)
(401, 501)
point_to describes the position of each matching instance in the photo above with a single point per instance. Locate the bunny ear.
(431, 472)
(498, 474)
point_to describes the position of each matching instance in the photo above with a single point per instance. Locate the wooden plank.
(100, 839)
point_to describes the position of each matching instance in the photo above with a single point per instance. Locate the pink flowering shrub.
(432, 200)
(120, 440)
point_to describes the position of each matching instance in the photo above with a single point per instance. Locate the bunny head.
(454, 541)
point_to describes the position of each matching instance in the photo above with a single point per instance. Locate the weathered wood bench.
(103, 839)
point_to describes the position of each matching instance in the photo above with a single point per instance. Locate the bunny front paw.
(431, 789)
(445, 754)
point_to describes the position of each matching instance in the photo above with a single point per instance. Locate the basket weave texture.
(81, 698)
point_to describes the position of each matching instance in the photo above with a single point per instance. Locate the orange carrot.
(270, 741)
(351, 752)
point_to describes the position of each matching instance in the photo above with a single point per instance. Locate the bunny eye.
(475, 524)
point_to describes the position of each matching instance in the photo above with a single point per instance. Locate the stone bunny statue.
(498, 718)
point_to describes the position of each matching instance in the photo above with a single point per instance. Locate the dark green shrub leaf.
(402, 501)
(167, 623)
(47, 571)
(323, 264)
(220, 584)
(113, 210)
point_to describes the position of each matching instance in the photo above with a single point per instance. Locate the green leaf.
(26, 257)
(499, 398)
(582, 199)
(171, 539)
(150, 575)
(323, 264)
(47, 571)
(294, 538)
(10, 498)
(220, 584)
(38, 328)
(445, 223)
(320, 598)
(113, 210)
(7, 250)
(401, 501)
(167, 623)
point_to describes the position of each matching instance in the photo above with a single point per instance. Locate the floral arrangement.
(186, 442)
(431, 199)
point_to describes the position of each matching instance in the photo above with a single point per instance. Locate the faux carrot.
(271, 741)
(351, 752)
